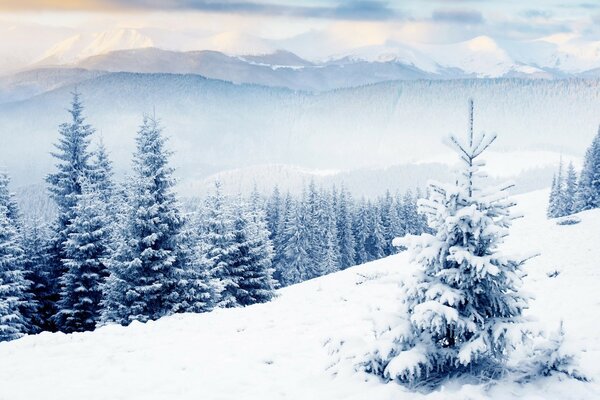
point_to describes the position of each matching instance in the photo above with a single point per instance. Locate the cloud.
(588, 6)
(457, 16)
(545, 14)
(343, 10)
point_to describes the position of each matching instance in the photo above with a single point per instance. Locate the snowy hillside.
(279, 349)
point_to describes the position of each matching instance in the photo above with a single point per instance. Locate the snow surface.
(280, 350)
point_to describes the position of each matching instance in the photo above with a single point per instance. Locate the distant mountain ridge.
(279, 69)
(215, 125)
(558, 55)
(555, 56)
(478, 58)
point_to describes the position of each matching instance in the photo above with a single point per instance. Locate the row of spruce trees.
(123, 252)
(570, 195)
(324, 231)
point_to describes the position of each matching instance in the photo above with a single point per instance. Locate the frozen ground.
(278, 350)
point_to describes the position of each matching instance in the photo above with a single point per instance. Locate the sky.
(315, 29)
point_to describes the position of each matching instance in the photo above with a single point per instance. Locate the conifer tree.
(73, 166)
(252, 255)
(274, 214)
(422, 226)
(466, 299)
(296, 263)
(87, 252)
(552, 211)
(279, 243)
(361, 232)
(329, 260)
(262, 249)
(13, 285)
(570, 190)
(346, 241)
(145, 270)
(389, 222)
(412, 223)
(375, 241)
(559, 198)
(37, 271)
(220, 246)
(198, 291)
(588, 193)
(315, 220)
(101, 173)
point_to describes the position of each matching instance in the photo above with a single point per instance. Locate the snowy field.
(280, 350)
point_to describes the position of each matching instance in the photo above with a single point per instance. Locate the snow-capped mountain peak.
(481, 56)
(80, 46)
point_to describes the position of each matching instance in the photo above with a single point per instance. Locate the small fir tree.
(465, 300)
(588, 193)
(570, 190)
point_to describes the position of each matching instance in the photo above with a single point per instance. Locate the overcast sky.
(313, 28)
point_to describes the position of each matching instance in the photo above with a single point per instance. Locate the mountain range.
(363, 112)
(132, 50)
(216, 125)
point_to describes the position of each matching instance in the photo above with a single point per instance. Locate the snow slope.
(278, 350)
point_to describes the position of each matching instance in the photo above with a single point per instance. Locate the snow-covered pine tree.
(375, 241)
(101, 173)
(262, 248)
(274, 214)
(557, 205)
(198, 291)
(144, 271)
(588, 193)
(389, 222)
(466, 299)
(399, 215)
(296, 262)
(345, 239)
(37, 271)
(360, 228)
(315, 219)
(14, 287)
(8, 199)
(422, 225)
(220, 246)
(72, 157)
(329, 260)
(279, 243)
(252, 256)
(86, 255)
(570, 190)
(412, 219)
(552, 210)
